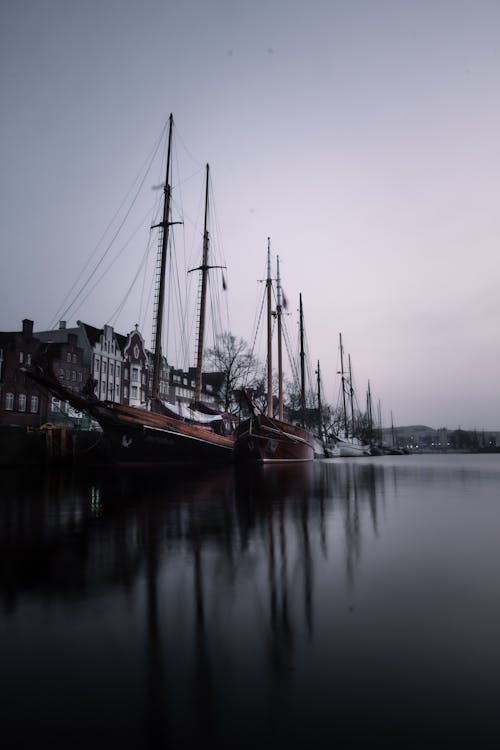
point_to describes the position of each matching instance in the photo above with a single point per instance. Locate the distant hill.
(415, 428)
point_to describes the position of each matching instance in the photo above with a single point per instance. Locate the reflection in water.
(235, 583)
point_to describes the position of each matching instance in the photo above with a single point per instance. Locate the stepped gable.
(93, 334)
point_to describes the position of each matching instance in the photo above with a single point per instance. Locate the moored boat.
(156, 435)
(263, 438)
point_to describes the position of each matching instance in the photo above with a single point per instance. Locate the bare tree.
(240, 368)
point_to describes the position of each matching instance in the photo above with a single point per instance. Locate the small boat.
(159, 435)
(262, 438)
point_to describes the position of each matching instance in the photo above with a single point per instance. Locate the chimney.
(27, 328)
(62, 325)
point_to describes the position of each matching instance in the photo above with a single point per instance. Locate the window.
(28, 359)
(117, 390)
(68, 375)
(34, 404)
(125, 391)
(134, 391)
(9, 401)
(143, 378)
(136, 352)
(21, 357)
(61, 372)
(74, 359)
(125, 373)
(104, 363)
(103, 388)
(117, 370)
(73, 375)
(68, 357)
(21, 402)
(135, 374)
(96, 364)
(80, 377)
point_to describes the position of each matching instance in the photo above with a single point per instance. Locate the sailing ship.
(347, 445)
(263, 438)
(159, 435)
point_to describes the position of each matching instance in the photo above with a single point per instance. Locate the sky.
(361, 136)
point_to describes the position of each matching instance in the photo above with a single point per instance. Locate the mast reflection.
(221, 562)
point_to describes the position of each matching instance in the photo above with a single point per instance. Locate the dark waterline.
(347, 603)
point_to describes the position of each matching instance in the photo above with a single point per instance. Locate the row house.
(117, 364)
(117, 367)
(136, 370)
(182, 387)
(22, 402)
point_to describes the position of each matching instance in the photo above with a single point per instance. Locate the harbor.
(343, 602)
(249, 375)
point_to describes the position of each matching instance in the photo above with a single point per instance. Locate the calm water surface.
(349, 603)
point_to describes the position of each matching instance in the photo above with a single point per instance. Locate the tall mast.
(280, 355)
(203, 298)
(351, 395)
(269, 334)
(158, 314)
(344, 409)
(302, 364)
(369, 412)
(320, 425)
(204, 268)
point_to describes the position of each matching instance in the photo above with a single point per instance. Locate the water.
(349, 603)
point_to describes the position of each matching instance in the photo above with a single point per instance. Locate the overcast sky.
(361, 136)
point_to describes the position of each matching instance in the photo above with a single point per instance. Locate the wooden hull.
(137, 436)
(264, 440)
(148, 438)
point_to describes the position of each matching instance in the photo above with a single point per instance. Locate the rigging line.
(144, 310)
(148, 161)
(188, 152)
(127, 294)
(144, 264)
(220, 255)
(291, 358)
(142, 304)
(257, 327)
(105, 253)
(106, 270)
(258, 311)
(182, 340)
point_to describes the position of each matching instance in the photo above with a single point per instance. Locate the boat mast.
(369, 413)
(269, 334)
(280, 355)
(302, 364)
(344, 408)
(158, 313)
(351, 395)
(204, 268)
(203, 298)
(320, 424)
